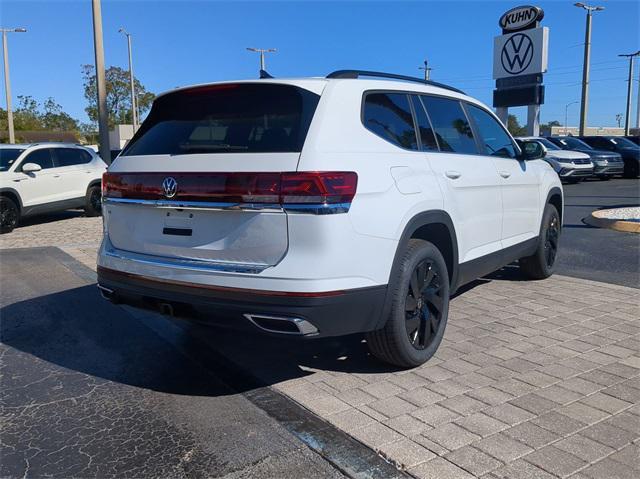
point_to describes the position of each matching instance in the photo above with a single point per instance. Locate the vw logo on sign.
(170, 187)
(517, 54)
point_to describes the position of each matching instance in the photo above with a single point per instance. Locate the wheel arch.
(436, 227)
(13, 195)
(92, 184)
(555, 198)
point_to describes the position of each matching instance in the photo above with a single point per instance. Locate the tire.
(93, 201)
(541, 264)
(9, 215)
(630, 171)
(604, 178)
(421, 267)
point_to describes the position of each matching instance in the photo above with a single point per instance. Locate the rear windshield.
(228, 118)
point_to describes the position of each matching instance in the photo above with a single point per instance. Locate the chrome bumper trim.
(195, 205)
(313, 208)
(186, 264)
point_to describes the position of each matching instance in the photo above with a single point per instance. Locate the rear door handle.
(454, 175)
(505, 174)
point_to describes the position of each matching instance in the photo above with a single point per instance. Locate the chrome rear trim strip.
(313, 208)
(187, 264)
(197, 205)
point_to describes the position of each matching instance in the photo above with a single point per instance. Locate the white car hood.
(565, 156)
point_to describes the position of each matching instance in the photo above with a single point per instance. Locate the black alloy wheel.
(424, 304)
(9, 215)
(551, 241)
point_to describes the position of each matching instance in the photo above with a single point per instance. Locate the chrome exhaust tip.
(107, 293)
(282, 324)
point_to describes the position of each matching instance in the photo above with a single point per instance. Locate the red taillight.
(317, 187)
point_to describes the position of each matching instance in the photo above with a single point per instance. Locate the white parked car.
(45, 177)
(572, 166)
(323, 207)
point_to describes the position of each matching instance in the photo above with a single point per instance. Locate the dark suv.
(629, 151)
(605, 163)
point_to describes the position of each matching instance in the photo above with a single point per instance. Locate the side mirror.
(532, 150)
(31, 168)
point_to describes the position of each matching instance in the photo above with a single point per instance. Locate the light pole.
(7, 82)
(262, 51)
(101, 84)
(585, 66)
(627, 116)
(134, 102)
(427, 70)
(566, 114)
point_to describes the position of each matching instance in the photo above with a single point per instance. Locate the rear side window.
(427, 137)
(388, 115)
(227, 118)
(71, 156)
(40, 157)
(493, 137)
(450, 124)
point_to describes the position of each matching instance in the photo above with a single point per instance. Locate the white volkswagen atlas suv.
(355, 203)
(44, 177)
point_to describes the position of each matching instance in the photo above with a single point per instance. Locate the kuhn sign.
(519, 18)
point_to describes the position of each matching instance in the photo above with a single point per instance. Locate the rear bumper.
(333, 313)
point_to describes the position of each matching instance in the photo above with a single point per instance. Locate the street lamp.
(627, 120)
(134, 111)
(566, 114)
(7, 83)
(101, 83)
(262, 51)
(585, 66)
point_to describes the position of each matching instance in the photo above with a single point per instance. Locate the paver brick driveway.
(533, 379)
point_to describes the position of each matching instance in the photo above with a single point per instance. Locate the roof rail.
(365, 73)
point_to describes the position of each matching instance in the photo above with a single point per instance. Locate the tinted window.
(570, 143)
(547, 144)
(71, 156)
(227, 118)
(495, 139)
(40, 157)
(425, 131)
(601, 143)
(8, 156)
(388, 115)
(452, 129)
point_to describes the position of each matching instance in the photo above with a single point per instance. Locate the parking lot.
(533, 379)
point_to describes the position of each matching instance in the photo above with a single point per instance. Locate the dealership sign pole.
(519, 60)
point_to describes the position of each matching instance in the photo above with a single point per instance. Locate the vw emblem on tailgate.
(170, 187)
(517, 53)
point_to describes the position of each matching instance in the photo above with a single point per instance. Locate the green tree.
(53, 118)
(27, 114)
(514, 126)
(118, 95)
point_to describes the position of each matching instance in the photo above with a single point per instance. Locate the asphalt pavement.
(595, 253)
(90, 391)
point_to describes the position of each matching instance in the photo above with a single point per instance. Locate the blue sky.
(184, 42)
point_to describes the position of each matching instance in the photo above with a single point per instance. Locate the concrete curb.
(597, 219)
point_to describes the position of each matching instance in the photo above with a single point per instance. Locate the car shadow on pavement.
(78, 330)
(45, 218)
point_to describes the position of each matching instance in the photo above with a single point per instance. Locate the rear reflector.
(314, 187)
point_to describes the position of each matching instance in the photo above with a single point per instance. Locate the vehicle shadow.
(45, 218)
(77, 330)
